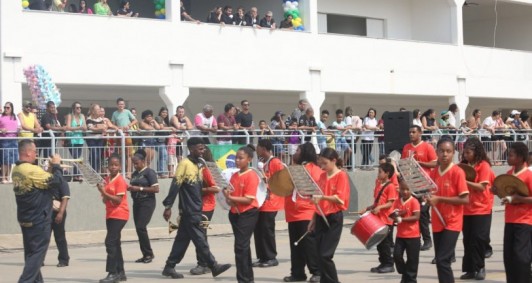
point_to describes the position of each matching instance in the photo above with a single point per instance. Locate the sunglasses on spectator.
(78, 107)
(245, 104)
(7, 107)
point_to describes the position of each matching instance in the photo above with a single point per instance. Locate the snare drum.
(369, 230)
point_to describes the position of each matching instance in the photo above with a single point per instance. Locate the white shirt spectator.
(487, 123)
(369, 135)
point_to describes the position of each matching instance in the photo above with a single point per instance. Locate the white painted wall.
(431, 20)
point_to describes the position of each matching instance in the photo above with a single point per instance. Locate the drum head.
(508, 185)
(281, 184)
(377, 238)
(470, 173)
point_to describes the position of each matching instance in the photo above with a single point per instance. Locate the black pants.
(305, 253)
(202, 262)
(444, 245)
(60, 238)
(115, 260)
(366, 151)
(424, 222)
(476, 238)
(190, 230)
(408, 269)
(264, 236)
(36, 240)
(142, 212)
(517, 252)
(488, 246)
(327, 239)
(385, 249)
(243, 225)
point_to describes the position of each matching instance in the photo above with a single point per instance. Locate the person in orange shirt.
(518, 220)
(406, 211)
(208, 190)
(117, 214)
(425, 155)
(298, 213)
(385, 194)
(334, 183)
(477, 213)
(264, 234)
(449, 201)
(244, 211)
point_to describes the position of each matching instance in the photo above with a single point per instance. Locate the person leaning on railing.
(149, 125)
(75, 123)
(28, 121)
(95, 142)
(9, 126)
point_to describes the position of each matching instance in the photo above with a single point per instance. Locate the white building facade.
(360, 53)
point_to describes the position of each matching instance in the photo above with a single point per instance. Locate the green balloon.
(158, 7)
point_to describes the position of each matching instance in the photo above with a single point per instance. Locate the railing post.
(247, 136)
(352, 145)
(184, 143)
(52, 149)
(123, 150)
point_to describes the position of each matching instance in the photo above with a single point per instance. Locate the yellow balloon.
(157, 13)
(25, 4)
(163, 11)
(298, 20)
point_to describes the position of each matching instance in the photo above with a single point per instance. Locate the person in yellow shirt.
(28, 121)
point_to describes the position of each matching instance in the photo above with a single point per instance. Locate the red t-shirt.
(335, 185)
(451, 183)
(116, 187)
(245, 185)
(274, 203)
(407, 229)
(520, 213)
(422, 152)
(302, 209)
(481, 203)
(209, 199)
(389, 194)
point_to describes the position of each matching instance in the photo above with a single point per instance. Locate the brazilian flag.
(224, 155)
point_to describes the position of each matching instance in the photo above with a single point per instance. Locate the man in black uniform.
(58, 223)
(188, 183)
(33, 189)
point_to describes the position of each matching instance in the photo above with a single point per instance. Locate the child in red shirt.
(385, 194)
(449, 201)
(406, 217)
(244, 211)
(117, 213)
(335, 199)
(518, 220)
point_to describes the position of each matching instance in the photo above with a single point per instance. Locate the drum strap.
(380, 193)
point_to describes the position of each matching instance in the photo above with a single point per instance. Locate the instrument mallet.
(300, 239)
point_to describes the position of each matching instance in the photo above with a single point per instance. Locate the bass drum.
(262, 189)
(369, 230)
(220, 197)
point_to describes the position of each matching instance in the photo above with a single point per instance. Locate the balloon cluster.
(160, 11)
(291, 8)
(42, 87)
(25, 4)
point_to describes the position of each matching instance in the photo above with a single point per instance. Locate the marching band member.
(298, 213)
(208, 191)
(33, 189)
(477, 213)
(264, 234)
(244, 211)
(385, 194)
(143, 187)
(449, 200)
(335, 186)
(518, 218)
(406, 215)
(114, 196)
(425, 155)
(188, 184)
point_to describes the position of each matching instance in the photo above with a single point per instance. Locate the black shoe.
(488, 254)
(314, 278)
(218, 269)
(481, 274)
(144, 259)
(294, 279)
(375, 269)
(111, 278)
(199, 270)
(468, 275)
(386, 269)
(269, 263)
(257, 263)
(62, 264)
(426, 246)
(122, 276)
(433, 261)
(170, 272)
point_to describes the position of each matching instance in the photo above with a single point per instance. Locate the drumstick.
(323, 215)
(299, 240)
(355, 212)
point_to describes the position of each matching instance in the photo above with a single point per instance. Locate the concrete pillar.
(311, 15)
(457, 30)
(461, 100)
(173, 9)
(314, 95)
(11, 78)
(175, 94)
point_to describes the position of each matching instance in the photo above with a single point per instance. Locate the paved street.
(353, 262)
